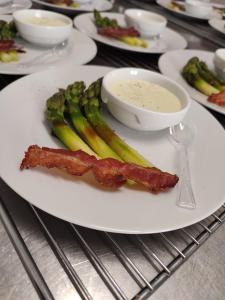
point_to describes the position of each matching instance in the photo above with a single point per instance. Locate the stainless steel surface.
(48, 258)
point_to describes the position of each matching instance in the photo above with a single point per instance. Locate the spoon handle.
(185, 195)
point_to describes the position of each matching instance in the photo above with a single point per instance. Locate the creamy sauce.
(146, 95)
(44, 21)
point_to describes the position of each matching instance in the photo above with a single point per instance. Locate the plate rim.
(212, 22)
(68, 9)
(160, 3)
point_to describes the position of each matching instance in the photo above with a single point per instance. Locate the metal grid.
(121, 266)
(145, 261)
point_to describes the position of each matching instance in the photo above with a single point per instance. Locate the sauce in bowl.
(46, 21)
(147, 95)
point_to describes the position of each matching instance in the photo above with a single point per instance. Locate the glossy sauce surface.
(146, 95)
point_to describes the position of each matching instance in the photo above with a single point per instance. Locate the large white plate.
(100, 5)
(218, 24)
(81, 49)
(81, 200)
(171, 64)
(17, 4)
(169, 40)
(166, 4)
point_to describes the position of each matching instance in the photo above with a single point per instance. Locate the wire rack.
(93, 264)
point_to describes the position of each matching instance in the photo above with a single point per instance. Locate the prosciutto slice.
(108, 172)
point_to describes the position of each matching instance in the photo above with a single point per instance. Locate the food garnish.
(108, 172)
(177, 6)
(198, 75)
(66, 3)
(110, 28)
(8, 49)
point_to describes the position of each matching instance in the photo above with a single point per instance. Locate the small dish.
(198, 8)
(219, 62)
(41, 27)
(149, 24)
(137, 117)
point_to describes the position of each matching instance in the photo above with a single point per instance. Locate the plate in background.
(169, 39)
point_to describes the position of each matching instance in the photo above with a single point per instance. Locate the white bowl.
(137, 117)
(198, 8)
(147, 23)
(42, 35)
(219, 62)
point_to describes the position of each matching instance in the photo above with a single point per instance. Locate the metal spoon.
(183, 135)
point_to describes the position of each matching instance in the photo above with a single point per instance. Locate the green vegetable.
(91, 102)
(8, 31)
(210, 77)
(55, 115)
(104, 22)
(192, 75)
(73, 95)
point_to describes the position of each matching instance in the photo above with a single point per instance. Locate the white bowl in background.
(137, 117)
(42, 35)
(147, 23)
(219, 62)
(198, 8)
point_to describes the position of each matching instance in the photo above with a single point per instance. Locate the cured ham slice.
(218, 99)
(108, 172)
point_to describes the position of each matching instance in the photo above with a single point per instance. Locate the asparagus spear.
(91, 103)
(191, 73)
(55, 115)
(210, 77)
(73, 95)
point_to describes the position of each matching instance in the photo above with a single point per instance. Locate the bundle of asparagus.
(198, 75)
(92, 134)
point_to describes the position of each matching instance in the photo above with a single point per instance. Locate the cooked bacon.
(8, 45)
(74, 162)
(108, 172)
(154, 179)
(118, 32)
(218, 99)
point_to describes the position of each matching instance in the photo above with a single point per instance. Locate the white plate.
(218, 24)
(17, 4)
(81, 50)
(100, 5)
(166, 4)
(171, 64)
(81, 200)
(169, 40)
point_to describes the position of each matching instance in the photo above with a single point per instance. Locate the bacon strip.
(118, 32)
(108, 172)
(218, 99)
